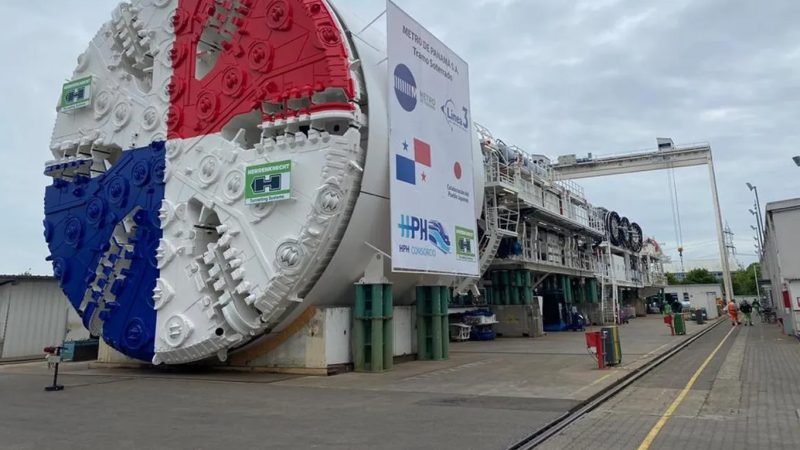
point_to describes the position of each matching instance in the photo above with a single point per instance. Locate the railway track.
(550, 430)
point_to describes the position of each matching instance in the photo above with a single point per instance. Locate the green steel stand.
(373, 338)
(433, 327)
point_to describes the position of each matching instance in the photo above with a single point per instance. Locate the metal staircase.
(500, 222)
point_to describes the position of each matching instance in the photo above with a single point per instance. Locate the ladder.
(608, 308)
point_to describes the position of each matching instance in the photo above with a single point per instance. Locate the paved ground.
(556, 367)
(487, 396)
(746, 398)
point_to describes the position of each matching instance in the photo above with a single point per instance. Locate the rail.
(557, 425)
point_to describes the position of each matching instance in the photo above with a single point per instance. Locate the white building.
(699, 295)
(34, 313)
(781, 261)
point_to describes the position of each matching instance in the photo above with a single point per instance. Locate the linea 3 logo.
(405, 87)
(455, 117)
(432, 231)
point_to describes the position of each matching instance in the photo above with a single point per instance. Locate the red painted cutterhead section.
(251, 52)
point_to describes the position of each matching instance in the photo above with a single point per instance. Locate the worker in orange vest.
(733, 312)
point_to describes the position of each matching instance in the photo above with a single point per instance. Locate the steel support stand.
(723, 252)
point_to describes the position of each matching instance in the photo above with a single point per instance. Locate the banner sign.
(430, 148)
(269, 182)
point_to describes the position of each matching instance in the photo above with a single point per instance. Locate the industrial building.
(575, 253)
(780, 263)
(699, 296)
(34, 314)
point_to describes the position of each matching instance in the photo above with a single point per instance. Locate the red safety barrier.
(668, 321)
(594, 339)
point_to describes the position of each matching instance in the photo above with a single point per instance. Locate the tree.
(744, 281)
(672, 280)
(699, 276)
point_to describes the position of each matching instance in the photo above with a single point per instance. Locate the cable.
(676, 212)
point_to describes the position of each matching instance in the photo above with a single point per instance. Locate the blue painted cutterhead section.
(80, 221)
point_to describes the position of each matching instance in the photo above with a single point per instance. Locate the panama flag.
(407, 168)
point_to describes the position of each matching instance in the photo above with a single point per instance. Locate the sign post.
(434, 228)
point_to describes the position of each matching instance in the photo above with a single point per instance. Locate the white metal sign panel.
(430, 145)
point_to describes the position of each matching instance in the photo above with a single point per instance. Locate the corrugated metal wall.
(34, 313)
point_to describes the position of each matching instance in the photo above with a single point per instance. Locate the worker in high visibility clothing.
(733, 313)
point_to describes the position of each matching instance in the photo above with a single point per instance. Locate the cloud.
(609, 77)
(552, 77)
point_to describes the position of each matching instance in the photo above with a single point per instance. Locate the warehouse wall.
(700, 296)
(781, 262)
(34, 313)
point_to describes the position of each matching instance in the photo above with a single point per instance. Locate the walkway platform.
(746, 397)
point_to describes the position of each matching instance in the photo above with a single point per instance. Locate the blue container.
(482, 333)
(80, 350)
(68, 352)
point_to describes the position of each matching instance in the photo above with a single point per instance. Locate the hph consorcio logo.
(405, 87)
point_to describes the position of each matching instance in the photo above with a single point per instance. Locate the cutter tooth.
(225, 240)
(243, 288)
(208, 257)
(214, 271)
(219, 285)
(230, 253)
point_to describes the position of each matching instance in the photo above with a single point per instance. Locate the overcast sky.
(553, 77)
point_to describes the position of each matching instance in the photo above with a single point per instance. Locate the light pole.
(758, 215)
(758, 235)
(758, 288)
